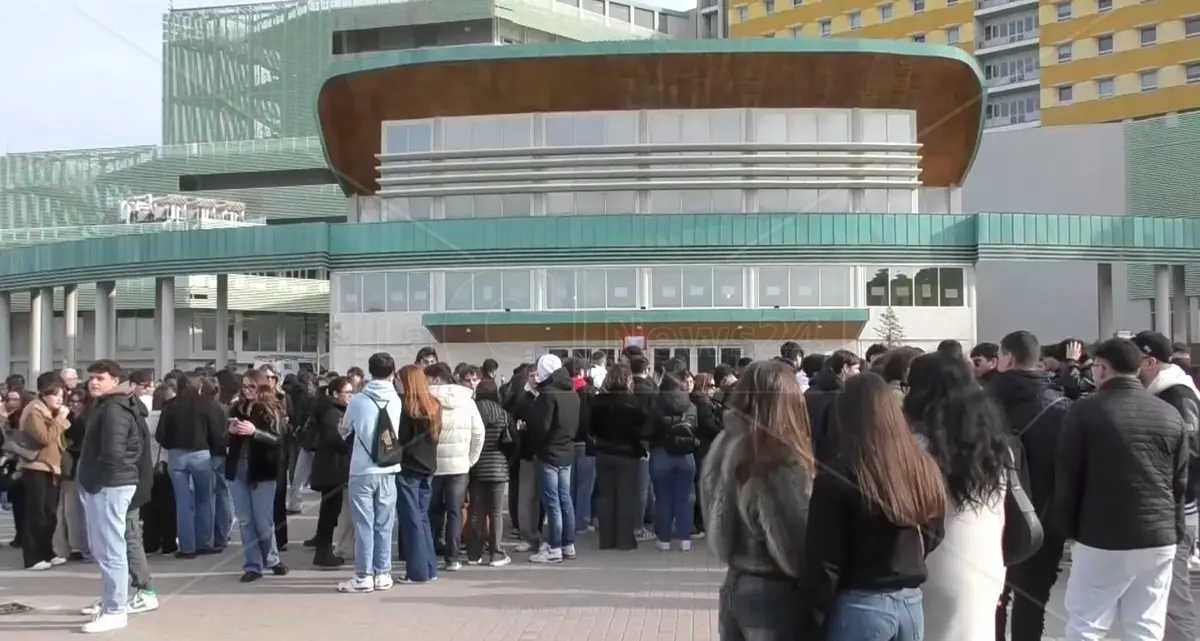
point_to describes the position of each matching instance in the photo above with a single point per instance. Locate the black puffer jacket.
(1034, 411)
(669, 409)
(619, 424)
(553, 420)
(1122, 470)
(1176, 387)
(331, 452)
(820, 397)
(116, 448)
(708, 420)
(492, 466)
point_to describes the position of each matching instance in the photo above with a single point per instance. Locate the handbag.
(20, 445)
(1023, 531)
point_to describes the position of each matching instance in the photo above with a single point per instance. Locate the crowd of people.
(943, 488)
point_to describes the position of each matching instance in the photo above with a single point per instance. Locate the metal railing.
(45, 235)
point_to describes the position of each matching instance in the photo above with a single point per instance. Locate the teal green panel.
(813, 315)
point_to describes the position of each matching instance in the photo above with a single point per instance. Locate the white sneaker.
(569, 551)
(40, 566)
(93, 609)
(663, 546)
(686, 546)
(105, 623)
(357, 584)
(383, 582)
(58, 560)
(523, 547)
(645, 535)
(1194, 563)
(547, 556)
(143, 601)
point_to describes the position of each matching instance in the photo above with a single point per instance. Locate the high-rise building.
(1046, 62)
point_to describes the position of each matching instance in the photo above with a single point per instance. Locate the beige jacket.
(48, 429)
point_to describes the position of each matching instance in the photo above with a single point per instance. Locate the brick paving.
(601, 596)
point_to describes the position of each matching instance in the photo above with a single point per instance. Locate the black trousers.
(159, 522)
(1027, 587)
(756, 608)
(281, 531)
(16, 496)
(327, 517)
(486, 505)
(41, 515)
(618, 505)
(514, 482)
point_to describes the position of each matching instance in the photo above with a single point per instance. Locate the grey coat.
(757, 525)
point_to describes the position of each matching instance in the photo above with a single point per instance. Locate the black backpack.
(680, 437)
(385, 449)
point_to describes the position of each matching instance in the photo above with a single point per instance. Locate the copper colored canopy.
(942, 84)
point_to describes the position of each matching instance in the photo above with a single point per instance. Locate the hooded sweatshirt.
(361, 416)
(1176, 387)
(461, 440)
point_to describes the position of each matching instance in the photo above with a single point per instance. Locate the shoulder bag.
(1023, 532)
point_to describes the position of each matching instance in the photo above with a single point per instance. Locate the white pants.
(1130, 586)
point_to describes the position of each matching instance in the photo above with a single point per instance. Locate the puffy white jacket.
(461, 440)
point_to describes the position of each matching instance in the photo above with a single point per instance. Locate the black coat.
(74, 438)
(492, 466)
(264, 460)
(191, 424)
(668, 409)
(820, 397)
(1122, 470)
(708, 420)
(1034, 411)
(331, 452)
(116, 448)
(553, 420)
(619, 424)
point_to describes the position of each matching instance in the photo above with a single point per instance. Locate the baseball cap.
(1154, 345)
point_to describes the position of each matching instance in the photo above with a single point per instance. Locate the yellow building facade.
(1047, 62)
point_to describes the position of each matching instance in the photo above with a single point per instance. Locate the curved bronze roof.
(942, 84)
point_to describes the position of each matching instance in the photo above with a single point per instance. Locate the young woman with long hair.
(45, 422)
(419, 431)
(754, 487)
(489, 480)
(878, 504)
(190, 427)
(966, 435)
(330, 465)
(252, 469)
(619, 425)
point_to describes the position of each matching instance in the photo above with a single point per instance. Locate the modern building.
(239, 125)
(1045, 62)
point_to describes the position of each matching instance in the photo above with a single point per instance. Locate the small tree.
(890, 331)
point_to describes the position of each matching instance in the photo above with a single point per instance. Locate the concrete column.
(222, 323)
(104, 326)
(1162, 299)
(36, 308)
(5, 334)
(237, 334)
(1104, 300)
(71, 325)
(48, 333)
(1180, 311)
(165, 316)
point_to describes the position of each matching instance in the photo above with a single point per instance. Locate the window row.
(885, 11)
(260, 332)
(669, 287)
(590, 129)
(660, 201)
(1147, 80)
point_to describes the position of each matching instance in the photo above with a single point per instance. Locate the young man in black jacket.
(550, 427)
(1170, 383)
(1119, 494)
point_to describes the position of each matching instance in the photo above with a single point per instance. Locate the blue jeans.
(448, 493)
(192, 480)
(105, 512)
(413, 492)
(674, 479)
(583, 482)
(554, 481)
(861, 615)
(222, 505)
(254, 505)
(373, 514)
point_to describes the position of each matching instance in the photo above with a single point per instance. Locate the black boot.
(325, 558)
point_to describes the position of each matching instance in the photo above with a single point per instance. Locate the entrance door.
(664, 354)
(700, 360)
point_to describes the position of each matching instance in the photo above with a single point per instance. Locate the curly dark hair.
(966, 433)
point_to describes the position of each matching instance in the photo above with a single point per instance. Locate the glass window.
(1149, 80)
(1103, 5)
(349, 293)
(620, 202)
(516, 292)
(728, 287)
(1192, 71)
(1104, 44)
(835, 286)
(407, 208)
(517, 133)
(885, 13)
(901, 284)
(260, 333)
(1062, 10)
(918, 6)
(516, 205)
(204, 327)
(1191, 27)
(420, 292)
(950, 286)
(877, 289)
(727, 126)
(560, 289)
(622, 288)
(826, 27)
(458, 291)
(926, 285)
(773, 287)
(127, 333)
(591, 288)
(458, 206)
(665, 202)
(855, 20)
(952, 35)
(1066, 93)
(487, 286)
(805, 287)
(589, 130)
(397, 292)
(559, 131)
(293, 333)
(621, 129)
(369, 209)
(666, 287)
(697, 283)
(409, 138)
(1149, 35)
(457, 135)
(1105, 87)
(1065, 51)
(374, 292)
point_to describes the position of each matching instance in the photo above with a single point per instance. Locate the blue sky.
(85, 73)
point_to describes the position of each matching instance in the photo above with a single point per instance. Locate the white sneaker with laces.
(58, 560)
(549, 555)
(92, 610)
(357, 584)
(40, 566)
(143, 601)
(686, 546)
(663, 546)
(105, 622)
(568, 551)
(383, 582)
(523, 547)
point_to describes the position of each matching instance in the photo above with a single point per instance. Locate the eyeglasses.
(249, 388)
(346, 391)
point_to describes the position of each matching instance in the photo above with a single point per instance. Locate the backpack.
(680, 437)
(385, 449)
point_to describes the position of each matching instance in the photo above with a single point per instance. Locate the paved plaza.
(602, 596)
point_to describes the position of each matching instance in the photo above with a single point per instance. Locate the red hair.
(418, 402)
